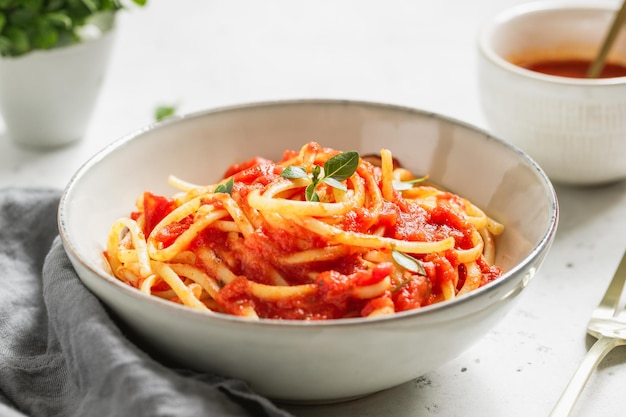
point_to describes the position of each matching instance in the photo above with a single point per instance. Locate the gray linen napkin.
(60, 352)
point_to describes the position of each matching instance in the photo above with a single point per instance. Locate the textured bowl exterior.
(574, 128)
(311, 361)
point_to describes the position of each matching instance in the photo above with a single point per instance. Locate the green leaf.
(54, 5)
(226, 188)
(5, 45)
(294, 172)
(91, 5)
(407, 185)
(342, 166)
(59, 19)
(310, 193)
(315, 172)
(336, 169)
(408, 262)
(22, 18)
(34, 5)
(46, 35)
(19, 40)
(335, 184)
(163, 112)
(43, 24)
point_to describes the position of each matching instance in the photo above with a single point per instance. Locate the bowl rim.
(534, 255)
(504, 17)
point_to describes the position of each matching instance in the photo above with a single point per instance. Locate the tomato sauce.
(574, 68)
(258, 256)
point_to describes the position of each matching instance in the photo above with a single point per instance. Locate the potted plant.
(53, 55)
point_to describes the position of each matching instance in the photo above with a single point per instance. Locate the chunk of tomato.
(155, 209)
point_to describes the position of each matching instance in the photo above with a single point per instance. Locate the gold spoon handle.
(598, 62)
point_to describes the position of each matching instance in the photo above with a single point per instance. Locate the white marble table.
(201, 54)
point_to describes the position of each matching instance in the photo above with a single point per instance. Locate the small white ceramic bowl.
(575, 128)
(326, 360)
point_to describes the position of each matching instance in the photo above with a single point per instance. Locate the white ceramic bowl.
(312, 361)
(574, 128)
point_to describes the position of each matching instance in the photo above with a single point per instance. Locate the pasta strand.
(332, 239)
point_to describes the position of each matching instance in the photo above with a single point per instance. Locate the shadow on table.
(400, 401)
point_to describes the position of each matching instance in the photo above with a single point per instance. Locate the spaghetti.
(318, 235)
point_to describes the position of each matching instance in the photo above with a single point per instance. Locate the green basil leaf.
(294, 172)
(226, 187)
(316, 171)
(335, 184)
(310, 193)
(408, 262)
(342, 166)
(163, 112)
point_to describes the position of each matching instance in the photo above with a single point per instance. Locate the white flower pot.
(47, 97)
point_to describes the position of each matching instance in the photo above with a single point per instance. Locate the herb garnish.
(164, 112)
(226, 187)
(336, 169)
(407, 185)
(408, 262)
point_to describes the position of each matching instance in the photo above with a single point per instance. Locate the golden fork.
(607, 325)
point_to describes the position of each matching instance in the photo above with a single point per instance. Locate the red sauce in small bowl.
(574, 68)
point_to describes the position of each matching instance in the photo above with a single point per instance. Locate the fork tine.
(605, 312)
(608, 306)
